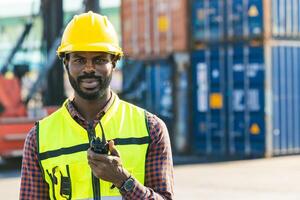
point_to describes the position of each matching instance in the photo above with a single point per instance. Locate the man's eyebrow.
(77, 56)
(100, 56)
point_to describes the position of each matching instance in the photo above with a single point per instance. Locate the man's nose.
(89, 66)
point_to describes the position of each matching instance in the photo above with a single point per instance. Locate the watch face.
(128, 185)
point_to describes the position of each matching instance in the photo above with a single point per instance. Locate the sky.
(26, 7)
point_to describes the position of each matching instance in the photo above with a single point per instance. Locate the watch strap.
(128, 185)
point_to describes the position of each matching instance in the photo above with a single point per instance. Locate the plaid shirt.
(159, 164)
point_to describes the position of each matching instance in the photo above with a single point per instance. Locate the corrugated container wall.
(285, 125)
(154, 28)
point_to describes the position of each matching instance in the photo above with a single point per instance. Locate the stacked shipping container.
(233, 20)
(244, 69)
(153, 28)
(246, 77)
(153, 31)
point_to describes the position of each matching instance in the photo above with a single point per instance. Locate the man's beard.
(103, 85)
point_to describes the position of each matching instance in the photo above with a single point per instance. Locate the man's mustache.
(86, 76)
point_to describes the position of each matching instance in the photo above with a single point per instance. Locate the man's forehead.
(89, 54)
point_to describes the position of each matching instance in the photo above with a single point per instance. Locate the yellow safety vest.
(63, 144)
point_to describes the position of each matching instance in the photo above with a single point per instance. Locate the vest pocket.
(61, 182)
(53, 180)
(65, 188)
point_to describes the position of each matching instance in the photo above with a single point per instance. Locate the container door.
(256, 100)
(255, 18)
(199, 20)
(216, 20)
(246, 100)
(245, 19)
(235, 14)
(209, 117)
(159, 89)
(207, 21)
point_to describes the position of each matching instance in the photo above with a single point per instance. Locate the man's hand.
(108, 167)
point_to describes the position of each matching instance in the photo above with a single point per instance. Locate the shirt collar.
(80, 119)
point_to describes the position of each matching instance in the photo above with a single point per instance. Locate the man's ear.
(114, 60)
(65, 62)
(114, 64)
(66, 59)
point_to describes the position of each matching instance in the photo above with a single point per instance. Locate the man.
(58, 162)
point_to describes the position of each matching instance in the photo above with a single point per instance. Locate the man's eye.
(79, 61)
(101, 61)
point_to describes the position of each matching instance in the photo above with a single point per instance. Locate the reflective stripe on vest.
(62, 146)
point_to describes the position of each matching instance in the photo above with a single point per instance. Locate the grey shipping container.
(247, 99)
(236, 20)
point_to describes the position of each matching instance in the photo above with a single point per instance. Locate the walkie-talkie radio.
(99, 146)
(96, 144)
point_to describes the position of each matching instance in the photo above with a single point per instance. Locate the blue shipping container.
(208, 20)
(232, 116)
(239, 20)
(148, 84)
(134, 84)
(159, 85)
(159, 96)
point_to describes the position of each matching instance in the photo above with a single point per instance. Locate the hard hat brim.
(95, 47)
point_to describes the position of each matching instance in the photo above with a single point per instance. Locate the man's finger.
(92, 162)
(92, 165)
(96, 156)
(112, 149)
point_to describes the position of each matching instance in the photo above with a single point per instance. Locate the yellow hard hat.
(89, 32)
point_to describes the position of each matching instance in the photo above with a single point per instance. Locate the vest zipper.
(95, 180)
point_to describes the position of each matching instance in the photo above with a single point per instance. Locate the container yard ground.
(259, 179)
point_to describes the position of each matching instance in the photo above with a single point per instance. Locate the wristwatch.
(128, 185)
